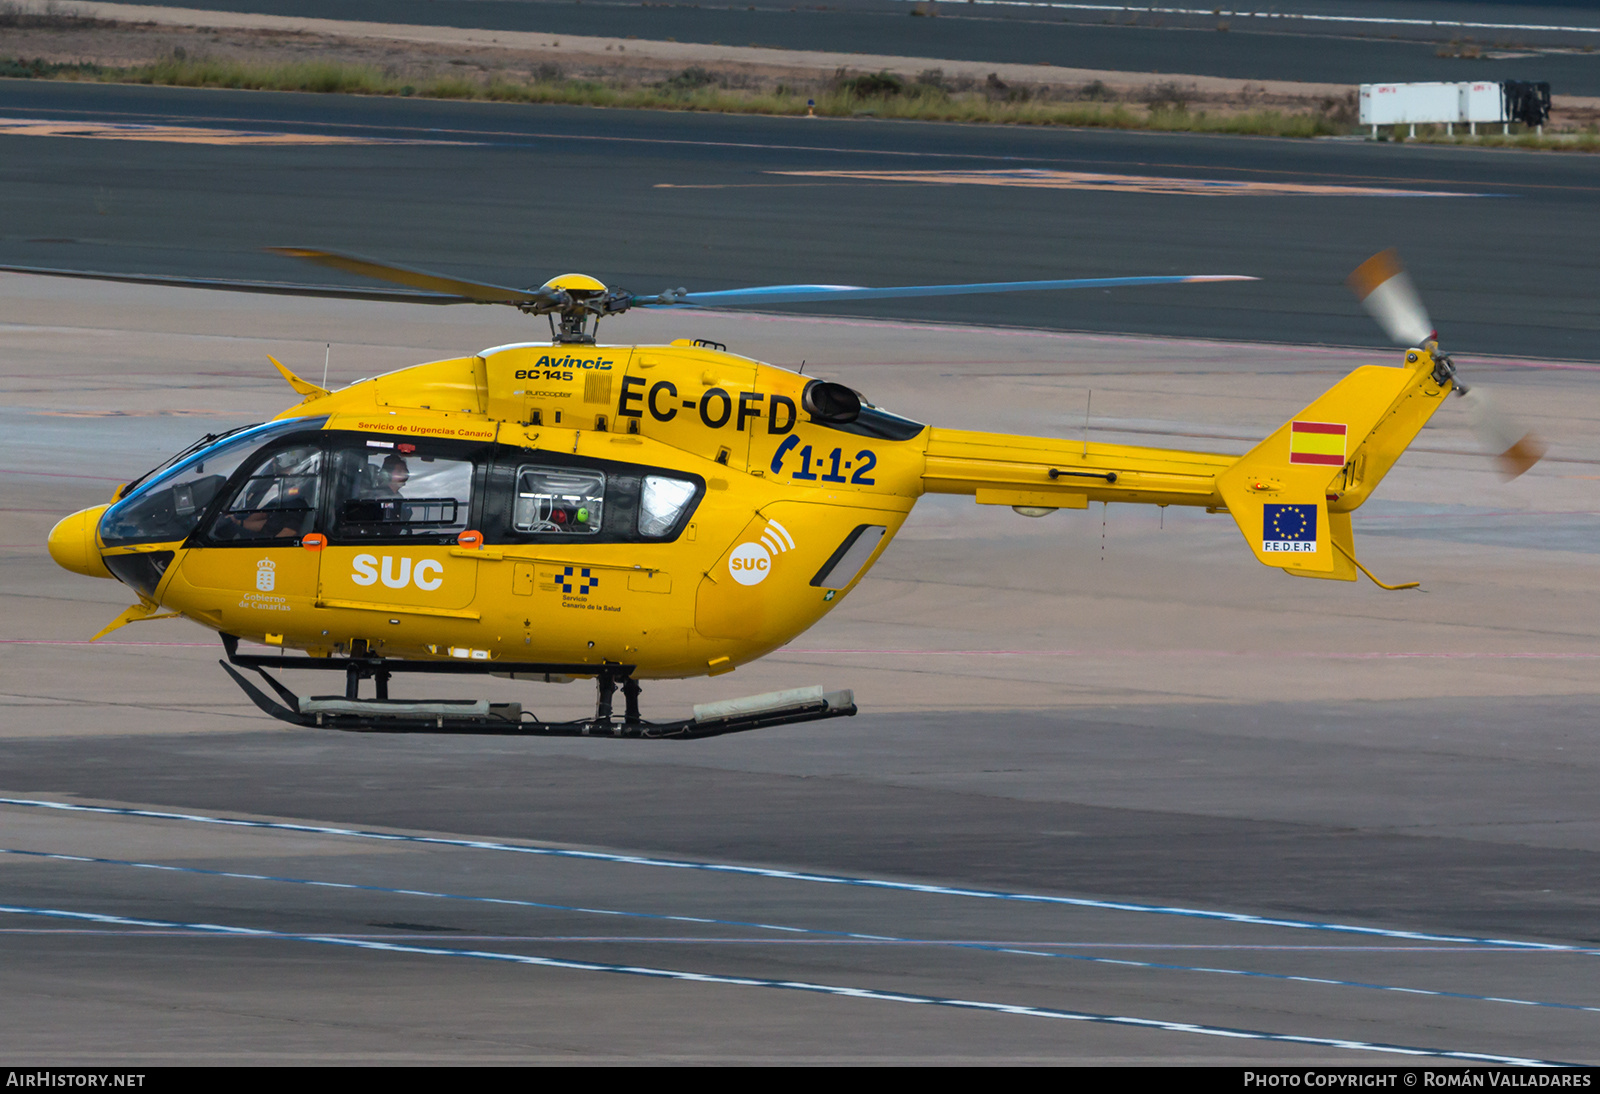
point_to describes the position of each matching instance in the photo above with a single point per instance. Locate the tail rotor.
(1387, 292)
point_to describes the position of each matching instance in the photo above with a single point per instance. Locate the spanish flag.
(1317, 442)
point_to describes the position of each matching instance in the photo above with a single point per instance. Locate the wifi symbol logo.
(776, 538)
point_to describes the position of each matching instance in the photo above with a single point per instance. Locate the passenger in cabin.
(395, 475)
(389, 490)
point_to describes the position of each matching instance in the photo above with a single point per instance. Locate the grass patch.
(1587, 140)
(928, 97)
(327, 77)
(18, 69)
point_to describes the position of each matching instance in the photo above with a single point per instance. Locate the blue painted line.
(791, 875)
(821, 937)
(793, 985)
(508, 901)
(765, 941)
(1435, 993)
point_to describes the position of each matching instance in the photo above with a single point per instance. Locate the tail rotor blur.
(1385, 290)
(1515, 449)
(1389, 296)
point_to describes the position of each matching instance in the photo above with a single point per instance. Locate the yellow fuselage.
(788, 512)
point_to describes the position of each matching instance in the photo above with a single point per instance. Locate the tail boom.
(1002, 469)
(1291, 495)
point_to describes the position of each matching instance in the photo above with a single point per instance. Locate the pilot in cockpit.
(287, 515)
(278, 501)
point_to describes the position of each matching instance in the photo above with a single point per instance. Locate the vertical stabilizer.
(1293, 493)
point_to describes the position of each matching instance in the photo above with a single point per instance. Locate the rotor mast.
(580, 302)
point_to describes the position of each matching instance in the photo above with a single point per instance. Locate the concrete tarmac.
(1117, 793)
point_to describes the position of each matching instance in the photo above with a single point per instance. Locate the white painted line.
(792, 985)
(1286, 16)
(792, 875)
(820, 937)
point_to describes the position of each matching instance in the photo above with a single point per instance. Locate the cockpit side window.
(276, 501)
(386, 489)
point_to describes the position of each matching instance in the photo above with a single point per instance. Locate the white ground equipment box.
(1483, 101)
(1410, 104)
(1444, 104)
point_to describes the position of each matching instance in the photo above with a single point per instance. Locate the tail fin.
(1293, 493)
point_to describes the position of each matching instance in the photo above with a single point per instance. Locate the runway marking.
(186, 134)
(688, 940)
(1048, 179)
(483, 137)
(837, 938)
(468, 898)
(793, 985)
(1224, 13)
(793, 875)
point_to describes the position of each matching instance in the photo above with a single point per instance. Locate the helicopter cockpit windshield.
(168, 505)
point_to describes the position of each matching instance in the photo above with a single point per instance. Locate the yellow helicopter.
(623, 513)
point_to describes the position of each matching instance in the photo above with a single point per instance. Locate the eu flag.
(1286, 524)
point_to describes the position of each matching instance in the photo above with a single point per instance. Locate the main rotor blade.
(281, 288)
(1389, 296)
(799, 294)
(478, 291)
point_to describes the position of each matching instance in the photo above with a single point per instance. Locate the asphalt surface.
(843, 799)
(1243, 46)
(1118, 794)
(711, 906)
(651, 200)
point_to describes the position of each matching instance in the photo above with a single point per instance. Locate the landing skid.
(351, 713)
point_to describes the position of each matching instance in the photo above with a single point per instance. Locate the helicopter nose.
(74, 546)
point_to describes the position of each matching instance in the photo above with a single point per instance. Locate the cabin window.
(662, 503)
(278, 501)
(561, 500)
(387, 489)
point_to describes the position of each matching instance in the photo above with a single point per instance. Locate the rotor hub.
(576, 285)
